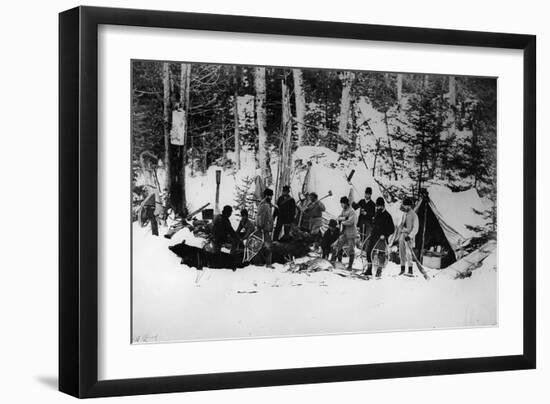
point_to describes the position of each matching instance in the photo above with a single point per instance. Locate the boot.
(378, 273)
(402, 272)
(368, 272)
(350, 262)
(340, 256)
(410, 270)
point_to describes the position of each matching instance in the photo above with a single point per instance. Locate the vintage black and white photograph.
(286, 201)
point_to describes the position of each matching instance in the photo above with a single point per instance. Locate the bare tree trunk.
(259, 85)
(185, 84)
(345, 103)
(375, 157)
(452, 101)
(399, 88)
(452, 91)
(426, 81)
(167, 112)
(300, 105)
(236, 119)
(286, 149)
(421, 171)
(389, 145)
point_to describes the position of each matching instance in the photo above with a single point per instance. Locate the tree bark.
(300, 105)
(345, 103)
(236, 120)
(389, 145)
(185, 84)
(167, 113)
(422, 157)
(452, 91)
(286, 147)
(260, 87)
(399, 88)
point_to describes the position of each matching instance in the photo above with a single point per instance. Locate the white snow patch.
(172, 302)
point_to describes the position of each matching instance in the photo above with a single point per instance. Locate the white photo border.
(119, 359)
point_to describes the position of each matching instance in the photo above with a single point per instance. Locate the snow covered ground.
(173, 302)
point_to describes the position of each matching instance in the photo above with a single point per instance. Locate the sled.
(254, 244)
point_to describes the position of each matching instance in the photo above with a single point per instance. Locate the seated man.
(222, 231)
(330, 236)
(246, 227)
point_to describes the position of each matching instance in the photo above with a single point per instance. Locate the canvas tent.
(449, 220)
(324, 174)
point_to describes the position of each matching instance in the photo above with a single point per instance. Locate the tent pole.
(424, 230)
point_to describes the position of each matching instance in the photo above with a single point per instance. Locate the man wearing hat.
(406, 234)
(349, 233)
(286, 210)
(367, 211)
(222, 231)
(330, 236)
(264, 222)
(382, 229)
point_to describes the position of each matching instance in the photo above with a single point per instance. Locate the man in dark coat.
(222, 231)
(286, 210)
(264, 223)
(367, 211)
(330, 236)
(382, 229)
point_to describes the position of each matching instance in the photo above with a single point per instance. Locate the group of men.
(373, 225)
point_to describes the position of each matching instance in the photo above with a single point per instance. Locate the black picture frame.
(78, 196)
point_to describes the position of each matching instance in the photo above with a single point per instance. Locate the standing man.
(407, 232)
(349, 233)
(222, 231)
(264, 222)
(314, 211)
(151, 204)
(382, 229)
(286, 210)
(367, 211)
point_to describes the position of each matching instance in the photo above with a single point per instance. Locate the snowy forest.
(407, 130)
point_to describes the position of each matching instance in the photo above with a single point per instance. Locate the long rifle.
(190, 215)
(417, 262)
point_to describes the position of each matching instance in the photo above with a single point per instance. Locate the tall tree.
(167, 112)
(259, 85)
(286, 140)
(236, 119)
(185, 84)
(345, 104)
(399, 88)
(300, 104)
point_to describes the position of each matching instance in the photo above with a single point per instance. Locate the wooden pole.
(218, 180)
(166, 124)
(185, 82)
(424, 228)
